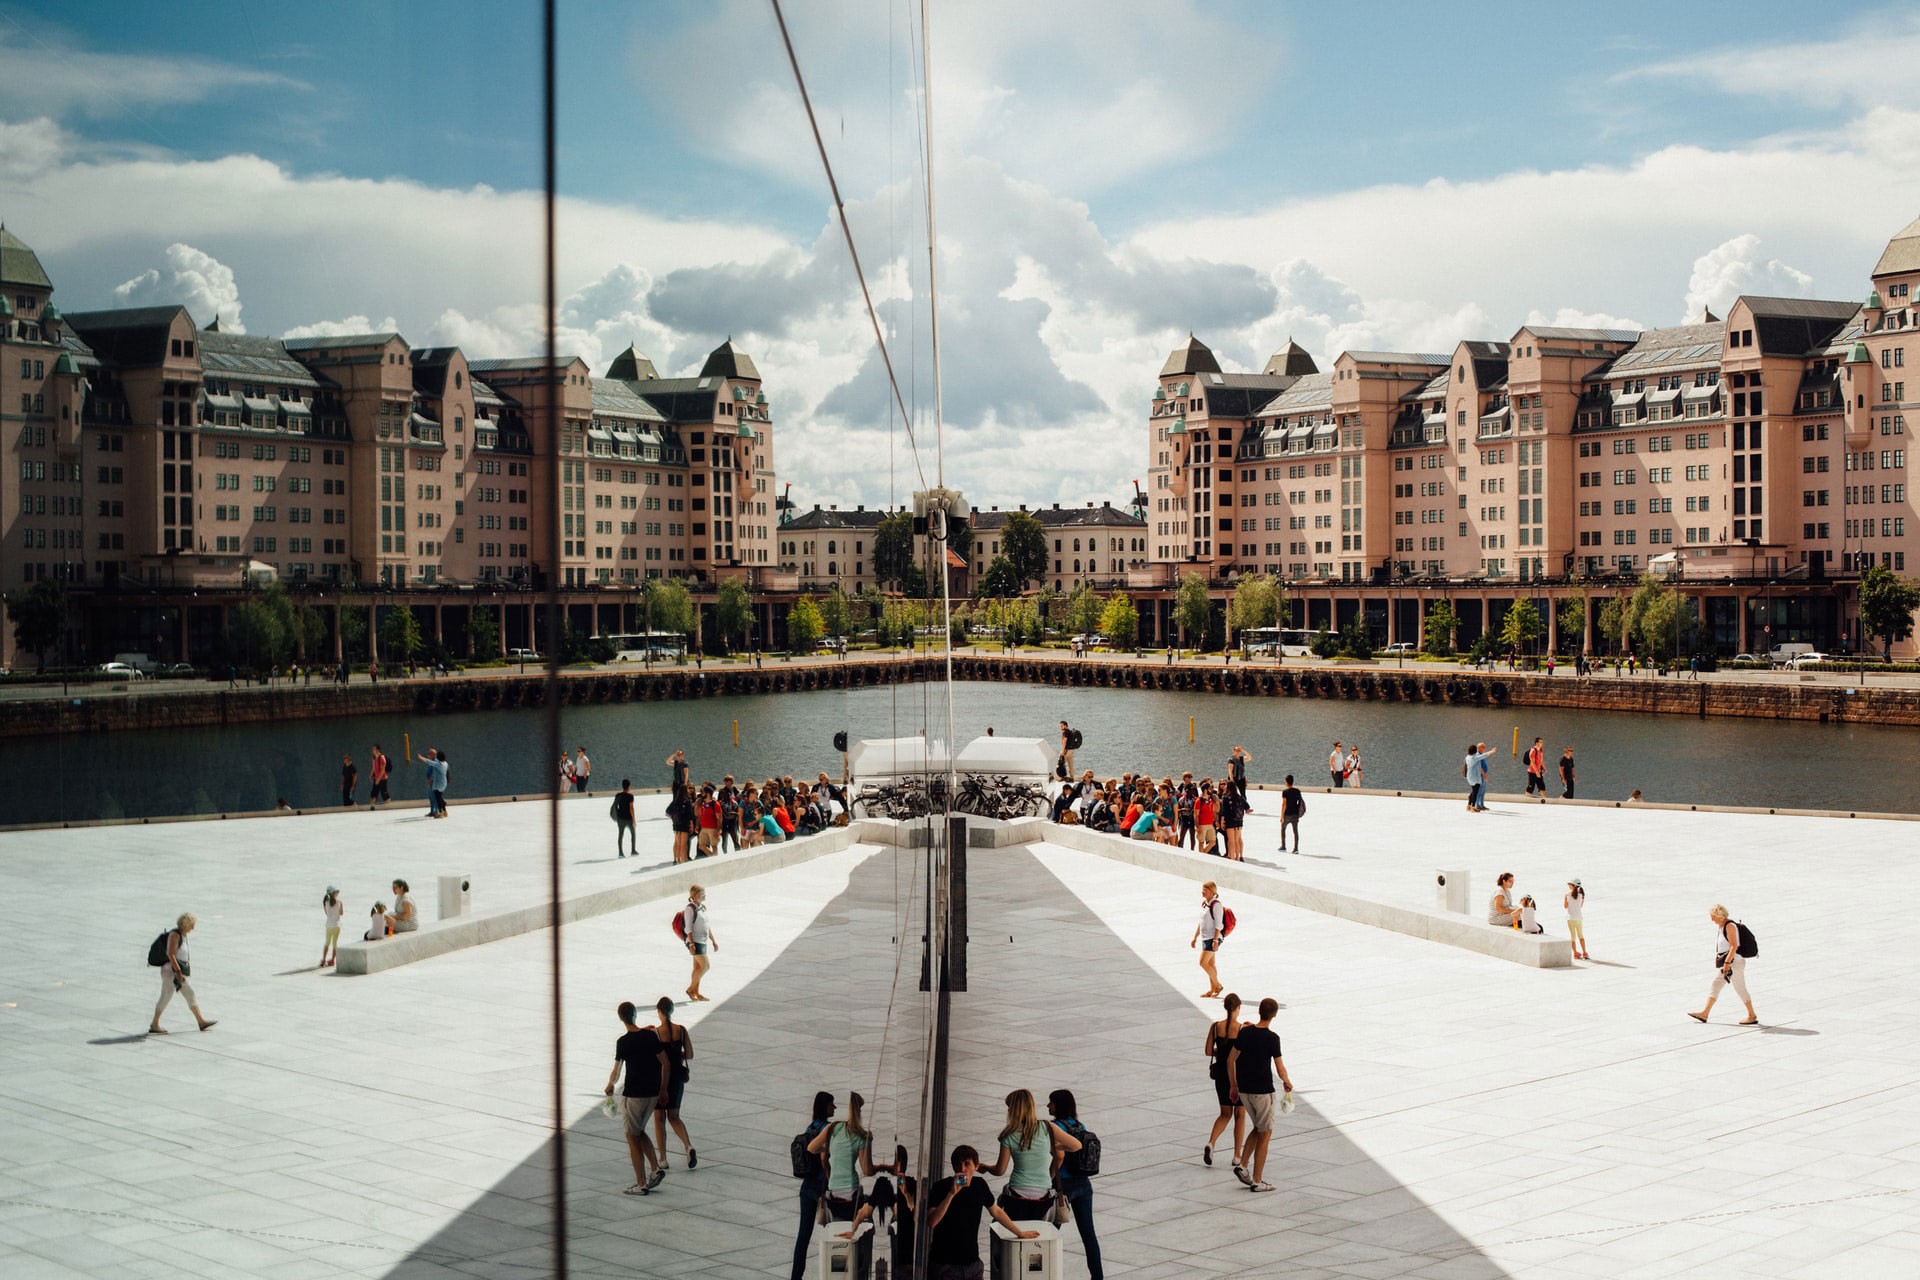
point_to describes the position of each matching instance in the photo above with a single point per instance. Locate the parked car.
(121, 671)
(1404, 646)
(1805, 660)
(1745, 657)
(833, 644)
(178, 669)
(522, 655)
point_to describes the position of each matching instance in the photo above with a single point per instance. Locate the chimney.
(861, 507)
(816, 506)
(1056, 506)
(1023, 506)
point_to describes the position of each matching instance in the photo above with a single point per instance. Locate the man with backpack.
(623, 824)
(1216, 922)
(168, 953)
(1069, 743)
(1293, 807)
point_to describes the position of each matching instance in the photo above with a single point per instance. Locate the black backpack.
(1749, 947)
(157, 953)
(1085, 1161)
(805, 1163)
(1073, 739)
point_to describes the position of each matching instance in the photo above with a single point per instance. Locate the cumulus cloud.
(1732, 268)
(344, 328)
(29, 149)
(196, 280)
(1575, 318)
(49, 75)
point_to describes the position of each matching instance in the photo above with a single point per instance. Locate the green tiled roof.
(19, 264)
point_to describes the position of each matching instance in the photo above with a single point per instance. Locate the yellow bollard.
(736, 733)
(406, 747)
(1516, 741)
(1189, 728)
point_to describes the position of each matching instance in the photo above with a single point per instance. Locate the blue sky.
(1110, 175)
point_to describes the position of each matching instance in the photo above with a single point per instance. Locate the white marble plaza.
(1462, 1116)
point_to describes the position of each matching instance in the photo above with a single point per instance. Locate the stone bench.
(1535, 950)
(443, 936)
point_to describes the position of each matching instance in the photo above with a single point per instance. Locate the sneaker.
(1262, 1186)
(659, 1176)
(635, 1190)
(1240, 1172)
(693, 1158)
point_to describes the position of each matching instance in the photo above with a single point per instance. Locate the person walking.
(1576, 902)
(1209, 934)
(436, 766)
(813, 1186)
(1293, 807)
(707, 815)
(1255, 1056)
(332, 908)
(623, 821)
(678, 1045)
(1566, 774)
(700, 938)
(1474, 768)
(582, 772)
(1729, 965)
(175, 971)
(566, 773)
(377, 773)
(1537, 770)
(1219, 1044)
(639, 1051)
(1356, 776)
(349, 779)
(1074, 1184)
(1337, 765)
(1028, 1194)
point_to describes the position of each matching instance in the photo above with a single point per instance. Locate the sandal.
(1698, 1017)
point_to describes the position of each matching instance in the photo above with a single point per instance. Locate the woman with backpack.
(699, 938)
(847, 1147)
(1729, 964)
(1072, 1175)
(679, 1050)
(1028, 1194)
(1209, 934)
(812, 1172)
(175, 968)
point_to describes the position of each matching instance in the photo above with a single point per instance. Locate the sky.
(1108, 176)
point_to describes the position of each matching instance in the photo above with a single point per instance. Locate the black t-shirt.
(1237, 769)
(1258, 1047)
(640, 1050)
(348, 775)
(1292, 803)
(1232, 810)
(679, 773)
(956, 1237)
(623, 806)
(1566, 767)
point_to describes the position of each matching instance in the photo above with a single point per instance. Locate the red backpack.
(680, 924)
(1226, 920)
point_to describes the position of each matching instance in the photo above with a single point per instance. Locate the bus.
(1288, 642)
(648, 646)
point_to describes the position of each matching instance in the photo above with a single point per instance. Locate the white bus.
(648, 646)
(1289, 642)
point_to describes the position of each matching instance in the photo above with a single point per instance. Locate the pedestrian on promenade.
(707, 813)
(1066, 749)
(175, 971)
(349, 778)
(813, 1186)
(1209, 934)
(373, 670)
(1576, 902)
(1566, 774)
(1219, 1044)
(1206, 812)
(377, 772)
(1474, 768)
(1233, 821)
(1693, 667)
(623, 821)
(1184, 796)
(1537, 770)
(730, 814)
(680, 813)
(1356, 776)
(1501, 911)
(1337, 765)
(1729, 964)
(1069, 1176)
(639, 1050)
(953, 1220)
(678, 763)
(1237, 773)
(678, 1045)
(582, 772)
(1293, 807)
(700, 939)
(1030, 1147)
(847, 1147)
(405, 919)
(436, 765)
(332, 908)
(566, 772)
(1256, 1053)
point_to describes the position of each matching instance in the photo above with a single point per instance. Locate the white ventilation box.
(456, 896)
(848, 1259)
(1451, 892)
(1036, 1259)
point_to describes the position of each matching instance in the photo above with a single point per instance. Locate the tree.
(893, 548)
(1255, 603)
(732, 613)
(1521, 626)
(1438, 628)
(1024, 543)
(1192, 611)
(669, 606)
(353, 629)
(400, 634)
(1573, 621)
(483, 633)
(1659, 621)
(804, 626)
(1611, 622)
(1356, 638)
(1083, 611)
(1001, 580)
(1120, 621)
(836, 612)
(957, 627)
(39, 613)
(256, 634)
(1324, 644)
(1043, 602)
(1887, 602)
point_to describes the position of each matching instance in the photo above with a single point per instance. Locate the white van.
(1783, 654)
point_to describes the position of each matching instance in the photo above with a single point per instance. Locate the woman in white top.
(174, 974)
(404, 919)
(1209, 934)
(1501, 912)
(334, 909)
(1729, 966)
(1356, 776)
(1575, 902)
(378, 924)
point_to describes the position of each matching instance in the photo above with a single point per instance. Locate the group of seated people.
(1504, 913)
(1184, 813)
(384, 921)
(748, 816)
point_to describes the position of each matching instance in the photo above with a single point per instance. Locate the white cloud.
(1575, 318)
(346, 328)
(1732, 268)
(1849, 69)
(41, 75)
(198, 281)
(29, 149)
